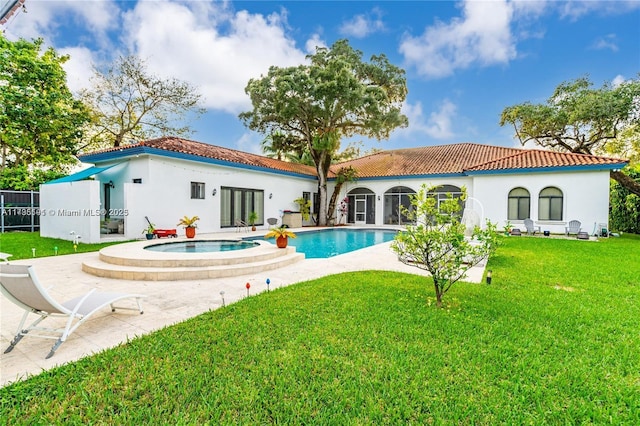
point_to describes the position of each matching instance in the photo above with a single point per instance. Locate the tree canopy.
(40, 121)
(314, 106)
(581, 119)
(129, 104)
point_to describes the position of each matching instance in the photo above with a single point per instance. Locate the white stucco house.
(168, 178)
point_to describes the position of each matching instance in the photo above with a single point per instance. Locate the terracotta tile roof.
(430, 160)
(200, 149)
(442, 159)
(466, 157)
(539, 159)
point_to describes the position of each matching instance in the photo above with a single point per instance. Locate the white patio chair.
(20, 285)
(573, 228)
(531, 228)
(241, 225)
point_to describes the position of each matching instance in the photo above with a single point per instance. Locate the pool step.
(130, 261)
(96, 266)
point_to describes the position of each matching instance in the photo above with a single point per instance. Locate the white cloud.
(42, 17)
(575, 9)
(211, 47)
(79, 67)
(250, 142)
(314, 42)
(618, 80)
(438, 125)
(482, 36)
(606, 42)
(361, 26)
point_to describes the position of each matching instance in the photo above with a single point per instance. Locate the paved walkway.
(167, 303)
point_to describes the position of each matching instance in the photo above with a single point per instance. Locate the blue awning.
(81, 175)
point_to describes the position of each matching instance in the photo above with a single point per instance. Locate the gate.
(19, 211)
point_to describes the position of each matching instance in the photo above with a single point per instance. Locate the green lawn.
(21, 244)
(554, 339)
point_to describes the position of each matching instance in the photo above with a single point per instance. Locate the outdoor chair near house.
(272, 221)
(573, 228)
(21, 286)
(531, 228)
(241, 225)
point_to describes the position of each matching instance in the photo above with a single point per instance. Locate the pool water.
(201, 246)
(332, 242)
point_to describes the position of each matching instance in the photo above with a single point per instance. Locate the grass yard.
(20, 245)
(555, 339)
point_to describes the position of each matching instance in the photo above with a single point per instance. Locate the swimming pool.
(332, 242)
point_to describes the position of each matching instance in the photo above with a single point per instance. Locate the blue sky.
(465, 61)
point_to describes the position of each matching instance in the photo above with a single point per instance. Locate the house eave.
(555, 169)
(145, 150)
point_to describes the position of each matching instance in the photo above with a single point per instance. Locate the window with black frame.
(197, 190)
(519, 204)
(237, 203)
(550, 202)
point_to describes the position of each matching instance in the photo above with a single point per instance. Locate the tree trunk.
(627, 182)
(322, 208)
(334, 197)
(439, 293)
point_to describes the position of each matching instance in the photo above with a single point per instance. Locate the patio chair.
(241, 225)
(20, 285)
(531, 228)
(272, 221)
(573, 228)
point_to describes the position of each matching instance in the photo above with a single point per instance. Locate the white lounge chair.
(20, 284)
(531, 228)
(573, 228)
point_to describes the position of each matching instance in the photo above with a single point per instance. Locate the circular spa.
(206, 246)
(188, 259)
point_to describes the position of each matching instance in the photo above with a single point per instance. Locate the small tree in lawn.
(436, 242)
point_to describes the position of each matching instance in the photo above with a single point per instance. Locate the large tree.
(40, 121)
(130, 104)
(580, 119)
(335, 95)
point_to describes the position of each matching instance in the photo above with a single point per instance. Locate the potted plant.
(507, 228)
(253, 217)
(189, 224)
(281, 234)
(148, 231)
(304, 206)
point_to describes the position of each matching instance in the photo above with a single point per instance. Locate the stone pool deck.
(167, 302)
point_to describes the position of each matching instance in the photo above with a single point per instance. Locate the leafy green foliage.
(548, 342)
(24, 178)
(580, 119)
(436, 241)
(128, 104)
(40, 121)
(625, 205)
(308, 109)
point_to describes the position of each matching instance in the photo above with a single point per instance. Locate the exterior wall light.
(270, 195)
(215, 191)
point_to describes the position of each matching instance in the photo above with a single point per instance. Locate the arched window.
(362, 206)
(519, 207)
(442, 192)
(550, 204)
(393, 199)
